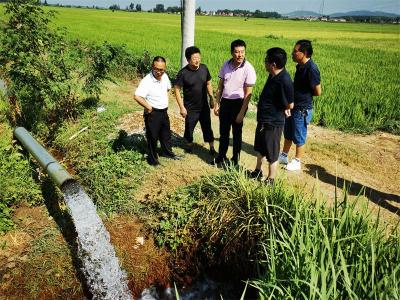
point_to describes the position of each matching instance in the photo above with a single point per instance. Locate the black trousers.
(204, 118)
(228, 112)
(157, 128)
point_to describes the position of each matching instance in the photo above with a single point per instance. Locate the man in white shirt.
(152, 94)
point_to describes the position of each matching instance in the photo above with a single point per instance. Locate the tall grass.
(293, 248)
(358, 62)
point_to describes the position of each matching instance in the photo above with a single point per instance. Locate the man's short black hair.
(237, 43)
(158, 58)
(190, 51)
(305, 47)
(278, 56)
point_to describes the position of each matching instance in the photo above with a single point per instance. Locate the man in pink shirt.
(236, 80)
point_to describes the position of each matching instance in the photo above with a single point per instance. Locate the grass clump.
(49, 273)
(110, 177)
(292, 247)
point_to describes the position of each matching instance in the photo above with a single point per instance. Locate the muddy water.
(204, 288)
(104, 277)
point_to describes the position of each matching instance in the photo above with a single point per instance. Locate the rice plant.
(293, 248)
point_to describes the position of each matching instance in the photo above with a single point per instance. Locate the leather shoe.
(173, 157)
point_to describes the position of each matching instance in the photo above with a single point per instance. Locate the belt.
(158, 109)
(304, 111)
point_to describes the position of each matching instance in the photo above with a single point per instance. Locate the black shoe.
(256, 174)
(269, 181)
(154, 163)
(175, 157)
(188, 150)
(212, 152)
(217, 161)
(172, 156)
(234, 162)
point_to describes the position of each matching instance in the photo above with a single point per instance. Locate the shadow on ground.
(354, 188)
(137, 142)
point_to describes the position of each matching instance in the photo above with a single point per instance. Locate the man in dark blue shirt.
(307, 83)
(274, 105)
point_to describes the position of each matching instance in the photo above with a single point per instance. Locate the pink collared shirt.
(235, 79)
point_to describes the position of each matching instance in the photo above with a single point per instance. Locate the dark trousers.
(204, 118)
(228, 112)
(157, 128)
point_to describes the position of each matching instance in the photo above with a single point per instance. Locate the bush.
(45, 74)
(16, 184)
(33, 65)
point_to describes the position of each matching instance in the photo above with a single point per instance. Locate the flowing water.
(101, 268)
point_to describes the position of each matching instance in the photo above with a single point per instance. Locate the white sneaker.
(283, 159)
(294, 165)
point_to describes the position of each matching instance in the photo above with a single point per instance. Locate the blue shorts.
(296, 126)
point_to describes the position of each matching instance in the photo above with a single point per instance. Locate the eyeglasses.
(158, 70)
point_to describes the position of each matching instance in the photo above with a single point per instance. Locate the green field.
(297, 239)
(359, 62)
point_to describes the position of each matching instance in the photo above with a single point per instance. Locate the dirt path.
(367, 165)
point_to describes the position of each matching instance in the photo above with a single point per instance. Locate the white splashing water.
(101, 268)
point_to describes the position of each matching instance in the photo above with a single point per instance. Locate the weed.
(16, 184)
(49, 271)
(295, 247)
(111, 178)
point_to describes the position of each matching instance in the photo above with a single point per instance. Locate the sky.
(280, 6)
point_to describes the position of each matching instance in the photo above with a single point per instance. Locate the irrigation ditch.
(97, 260)
(100, 265)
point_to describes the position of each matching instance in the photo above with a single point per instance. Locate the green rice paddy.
(359, 63)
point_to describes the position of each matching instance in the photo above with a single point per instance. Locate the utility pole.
(321, 8)
(187, 26)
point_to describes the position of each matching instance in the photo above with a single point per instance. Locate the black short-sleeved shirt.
(194, 85)
(306, 78)
(275, 97)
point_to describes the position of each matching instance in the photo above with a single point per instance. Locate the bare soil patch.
(144, 263)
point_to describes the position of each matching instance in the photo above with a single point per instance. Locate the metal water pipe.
(187, 27)
(49, 164)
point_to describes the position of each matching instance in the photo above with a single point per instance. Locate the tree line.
(160, 8)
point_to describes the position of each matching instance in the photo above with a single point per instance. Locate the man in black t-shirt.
(195, 81)
(307, 83)
(274, 105)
